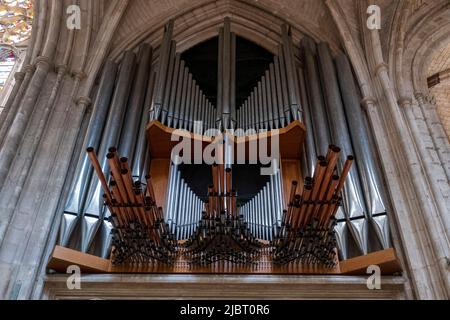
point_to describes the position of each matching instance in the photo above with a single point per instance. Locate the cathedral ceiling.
(257, 20)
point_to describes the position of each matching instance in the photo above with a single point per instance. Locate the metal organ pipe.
(135, 105)
(292, 80)
(140, 153)
(226, 73)
(284, 86)
(94, 207)
(366, 160)
(83, 173)
(310, 149)
(318, 117)
(318, 129)
(169, 81)
(176, 80)
(162, 71)
(353, 198)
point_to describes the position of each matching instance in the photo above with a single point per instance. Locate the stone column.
(427, 201)
(438, 134)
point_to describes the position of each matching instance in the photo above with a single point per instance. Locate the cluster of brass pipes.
(222, 234)
(307, 231)
(140, 234)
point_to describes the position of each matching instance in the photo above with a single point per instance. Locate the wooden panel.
(290, 170)
(291, 139)
(159, 170)
(386, 260)
(160, 139)
(62, 258)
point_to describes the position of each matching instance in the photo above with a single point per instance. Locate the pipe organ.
(141, 210)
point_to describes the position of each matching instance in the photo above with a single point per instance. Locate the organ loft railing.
(131, 202)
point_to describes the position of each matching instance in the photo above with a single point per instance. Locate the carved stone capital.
(43, 61)
(419, 96)
(62, 68)
(19, 75)
(367, 102)
(84, 100)
(79, 75)
(405, 102)
(28, 68)
(381, 68)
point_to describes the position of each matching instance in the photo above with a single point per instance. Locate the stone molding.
(126, 286)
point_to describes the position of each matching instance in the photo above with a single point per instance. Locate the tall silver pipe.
(192, 106)
(196, 109)
(179, 95)
(110, 138)
(280, 97)
(140, 154)
(174, 208)
(211, 117)
(339, 129)
(96, 124)
(175, 88)
(233, 80)
(246, 115)
(369, 171)
(291, 74)
(164, 56)
(208, 115)
(187, 210)
(172, 192)
(273, 206)
(130, 128)
(310, 148)
(181, 209)
(280, 202)
(83, 172)
(266, 101)
(252, 215)
(274, 101)
(187, 104)
(261, 124)
(273, 116)
(220, 73)
(265, 211)
(284, 86)
(111, 132)
(260, 215)
(168, 86)
(203, 113)
(253, 111)
(226, 82)
(318, 117)
(191, 215)
(182, 105)
(353, 198)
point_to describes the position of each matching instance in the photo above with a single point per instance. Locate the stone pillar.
(438, 134)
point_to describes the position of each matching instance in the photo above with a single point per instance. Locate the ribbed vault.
(199, 20)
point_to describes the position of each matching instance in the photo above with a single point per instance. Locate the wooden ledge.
(62, 258)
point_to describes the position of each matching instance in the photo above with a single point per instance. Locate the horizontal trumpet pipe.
(344, 174)
(94, 160)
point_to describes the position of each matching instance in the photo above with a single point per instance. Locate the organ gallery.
(226, 150)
